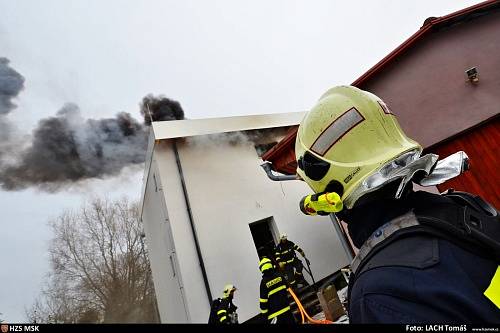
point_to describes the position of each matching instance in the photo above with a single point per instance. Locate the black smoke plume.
(160, 108)
(68, 148)
(11, 83)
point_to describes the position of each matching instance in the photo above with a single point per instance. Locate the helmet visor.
(313, 167)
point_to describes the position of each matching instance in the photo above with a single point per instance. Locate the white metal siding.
(189, 265)
(162, 254)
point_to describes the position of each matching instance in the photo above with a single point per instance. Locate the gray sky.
(217, 58)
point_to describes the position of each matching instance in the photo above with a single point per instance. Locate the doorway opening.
(264, 233)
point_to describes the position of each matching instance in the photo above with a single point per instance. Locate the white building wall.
(194, 290)
(228, 190)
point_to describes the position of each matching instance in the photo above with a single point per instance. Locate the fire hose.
(303, 312)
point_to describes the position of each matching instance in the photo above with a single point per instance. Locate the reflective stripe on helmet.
(384, 107)
(336, 130)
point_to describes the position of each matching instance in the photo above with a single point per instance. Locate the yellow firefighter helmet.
(228, 289)
(265, 264)
(348, 136)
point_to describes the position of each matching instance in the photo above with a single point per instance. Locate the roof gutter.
(267, 168)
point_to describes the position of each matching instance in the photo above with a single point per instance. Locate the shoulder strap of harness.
(462, 218)
(466, 220)
(459, 217)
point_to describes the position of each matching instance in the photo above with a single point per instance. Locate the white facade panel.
(162, 254)
(189, 265)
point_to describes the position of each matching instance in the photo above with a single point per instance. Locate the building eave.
(193, 127)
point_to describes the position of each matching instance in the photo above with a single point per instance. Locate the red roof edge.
(289, 139)
(428, 25)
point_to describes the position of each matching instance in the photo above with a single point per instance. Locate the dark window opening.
(264, 236)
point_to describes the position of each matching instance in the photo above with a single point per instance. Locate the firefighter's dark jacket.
(419, 278)
(285, 252)
(223, 307)
(273, 294)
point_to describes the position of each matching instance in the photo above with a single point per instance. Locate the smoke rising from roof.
(251, 137)
(68, 148)
(160, 108)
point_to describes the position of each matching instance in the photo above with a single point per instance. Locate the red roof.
(280, 154)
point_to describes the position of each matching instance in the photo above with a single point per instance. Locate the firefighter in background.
(287, 260)
(274, 303)
(223, 310)
(423, 257)
(267, 250)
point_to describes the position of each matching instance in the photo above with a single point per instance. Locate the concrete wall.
(426, 87)
(228, 190)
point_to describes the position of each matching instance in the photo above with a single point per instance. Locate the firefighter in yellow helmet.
(423, 257)
(274, 303)
(223, 310)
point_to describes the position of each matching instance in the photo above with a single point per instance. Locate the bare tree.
(99, 270)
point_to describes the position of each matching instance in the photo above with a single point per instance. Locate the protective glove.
(281, 265)
(233, 318)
